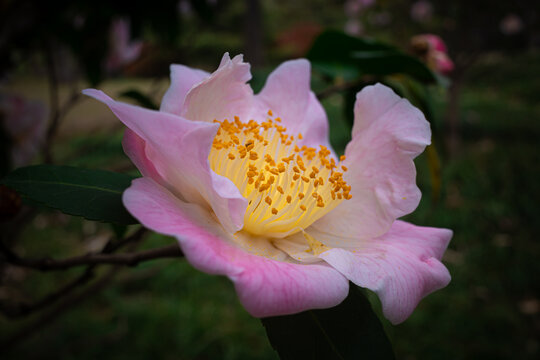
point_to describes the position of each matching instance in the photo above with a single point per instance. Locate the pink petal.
(435, 42)
(183, 78)
(134, 147)
(401, 266)
(287, 93)
(388, 134)
(223, 95)
(443, 63)
(178, 149)
(265, 287)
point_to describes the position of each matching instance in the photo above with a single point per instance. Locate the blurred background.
(472, 66)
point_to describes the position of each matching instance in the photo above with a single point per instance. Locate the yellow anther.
(342, 158)
(270, 113)
(269, 150)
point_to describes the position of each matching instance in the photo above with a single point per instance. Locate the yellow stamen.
(265, 163)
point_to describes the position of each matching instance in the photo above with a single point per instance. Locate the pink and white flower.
(122, 50)
(250, 187)
(433, 51)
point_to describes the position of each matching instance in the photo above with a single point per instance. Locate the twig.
(53, 102)
(129, 259)
(55, 313)
(24, 309)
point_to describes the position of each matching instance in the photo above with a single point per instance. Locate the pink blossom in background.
(422, 11)
(250, 187)
(353, 7)
(122, 50)
(25, 122)
(511, 24)
(353, 27)
(433, 51)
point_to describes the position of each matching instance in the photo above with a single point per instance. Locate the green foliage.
(350, 330)
(339, 55)
(92, 194)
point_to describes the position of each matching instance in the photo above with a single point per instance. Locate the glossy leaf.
(336, 51)
(92, 194)
(350, 330)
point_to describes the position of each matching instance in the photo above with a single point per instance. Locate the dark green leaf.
(335, 50)
(140, 98)
(350, 330)
(93, 194)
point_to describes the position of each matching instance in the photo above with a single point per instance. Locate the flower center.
(287, 187)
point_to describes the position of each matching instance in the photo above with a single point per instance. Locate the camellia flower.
(251, 188)
(432, 49)
(122, 50)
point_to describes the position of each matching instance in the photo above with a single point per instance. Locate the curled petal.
(287, 93)
(265, 287)
(388, 134)
(135, 148)
(222, 95)
(183, 78)
(178, 149)
(401, 266)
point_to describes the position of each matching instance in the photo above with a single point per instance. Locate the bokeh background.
(481, 179)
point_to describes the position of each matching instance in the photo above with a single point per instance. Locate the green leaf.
(140, 98)
(350, 330)
(92, 194)
(334, 51)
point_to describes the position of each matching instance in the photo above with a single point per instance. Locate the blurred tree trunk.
(253, 33)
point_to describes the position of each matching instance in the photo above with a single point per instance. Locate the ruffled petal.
(223, 95)
(388, 134)
(265, 287)
(183, 78)
(287, 93)
(178, 149)
(402, 266)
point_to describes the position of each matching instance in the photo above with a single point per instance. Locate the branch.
(24, 309)
(129, 259)
(54, 314)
